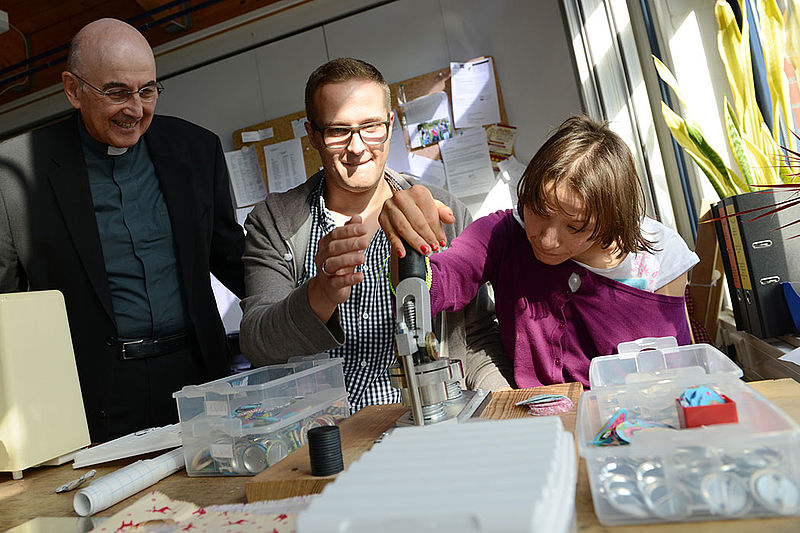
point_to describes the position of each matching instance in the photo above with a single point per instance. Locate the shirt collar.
(94, 147)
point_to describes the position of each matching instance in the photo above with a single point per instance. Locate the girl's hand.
(415, 216)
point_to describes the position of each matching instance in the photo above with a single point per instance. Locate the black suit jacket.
(49, 239)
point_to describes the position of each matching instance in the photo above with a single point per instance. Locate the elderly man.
(315, 257)
(126, 213)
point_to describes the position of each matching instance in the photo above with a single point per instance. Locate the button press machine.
(429, 384)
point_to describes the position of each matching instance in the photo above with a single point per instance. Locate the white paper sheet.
(499, 198)
(246, 181)
(792, 357)
(511, 169)
(285, 166)
(427, 170)
(137, 443)
(474, 92)
(299, 128)
(424, 109)
(467, 163)
(398, 155)
(116, 486)
(257, 135)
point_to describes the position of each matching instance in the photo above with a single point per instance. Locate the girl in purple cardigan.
(576, 269)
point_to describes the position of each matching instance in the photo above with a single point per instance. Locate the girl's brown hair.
(596, 164)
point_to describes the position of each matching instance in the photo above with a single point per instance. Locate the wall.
(403, 39)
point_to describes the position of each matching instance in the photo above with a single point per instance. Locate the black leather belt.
(142, 348)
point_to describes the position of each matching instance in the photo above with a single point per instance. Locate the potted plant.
(757, 257)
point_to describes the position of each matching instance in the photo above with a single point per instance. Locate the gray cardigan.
(278, 321)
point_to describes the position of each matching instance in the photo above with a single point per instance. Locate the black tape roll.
(325, 450)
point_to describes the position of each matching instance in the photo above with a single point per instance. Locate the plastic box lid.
(656, 358)
(257, 379)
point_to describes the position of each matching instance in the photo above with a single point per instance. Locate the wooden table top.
(34, 495)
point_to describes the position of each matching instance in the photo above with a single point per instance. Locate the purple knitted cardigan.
(549, 331)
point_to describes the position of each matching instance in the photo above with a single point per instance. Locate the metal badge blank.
(75, 483)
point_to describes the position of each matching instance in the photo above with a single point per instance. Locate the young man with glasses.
(126, 213)
(315, 257)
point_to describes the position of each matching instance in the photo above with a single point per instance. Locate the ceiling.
(33, 50)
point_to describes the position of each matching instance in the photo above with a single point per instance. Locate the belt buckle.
(130, 343)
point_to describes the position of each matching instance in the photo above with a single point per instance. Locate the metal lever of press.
(413, 307)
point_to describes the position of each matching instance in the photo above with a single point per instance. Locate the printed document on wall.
(246, 181)
(285, 166)
(474, 91)
(467, 163)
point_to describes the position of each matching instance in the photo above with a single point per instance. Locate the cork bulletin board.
(281, 131)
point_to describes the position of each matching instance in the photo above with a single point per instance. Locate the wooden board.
(502, 404)
(292, 476)
(707, 293)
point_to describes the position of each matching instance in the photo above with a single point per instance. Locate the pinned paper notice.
(499, 198)
(246, 180)
(474, 91)
(299, 127)
(398, 156)
(258, 135)
(467, 163)
(427, 170)
(285, 166)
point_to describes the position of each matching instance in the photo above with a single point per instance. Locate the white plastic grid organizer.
(506, 476)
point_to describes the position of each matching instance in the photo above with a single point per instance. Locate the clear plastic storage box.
(722, 471)
(240, 425)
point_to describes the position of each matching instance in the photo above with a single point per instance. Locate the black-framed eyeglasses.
(372, 134)
(120, 95)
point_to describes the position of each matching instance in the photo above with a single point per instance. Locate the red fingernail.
(443, 243)
(435, 248)
(401, 254)
(425, 249)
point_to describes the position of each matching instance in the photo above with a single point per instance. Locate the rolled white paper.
(116, 486)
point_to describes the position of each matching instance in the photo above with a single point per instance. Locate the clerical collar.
(96, 147)
(113, 150)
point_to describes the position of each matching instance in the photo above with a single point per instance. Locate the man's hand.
(414, 216)
(338, 254)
